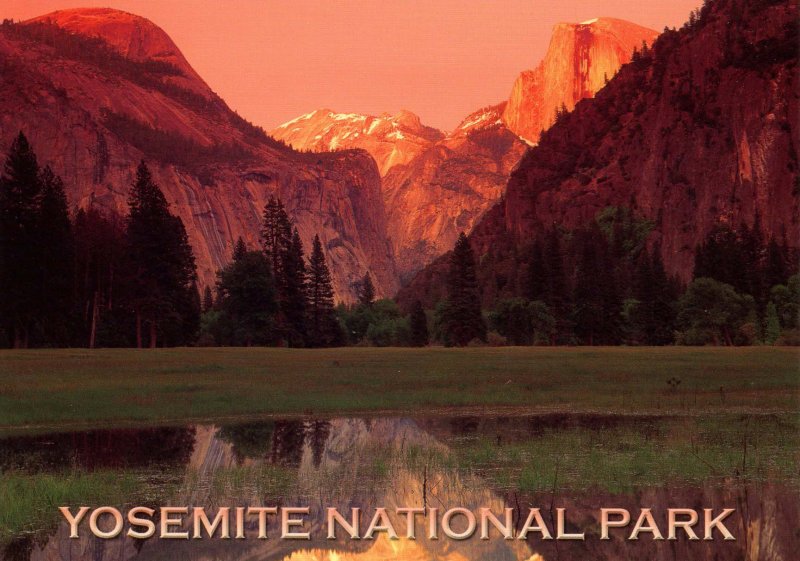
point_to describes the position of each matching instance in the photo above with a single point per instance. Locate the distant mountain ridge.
(447, 188)
(436, 185)
(391, 139)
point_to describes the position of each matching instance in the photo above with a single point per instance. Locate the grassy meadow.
(72, 388)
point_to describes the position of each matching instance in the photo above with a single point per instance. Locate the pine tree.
(294, 292)
(246, 300)
(285, 254)
(323, 326)
(462, 319)
(162, 260)
(556, 290)
(419, 325)
(664, 302)
(753, 248)
(183, 327)
(102, 282)
(656, 296)
(208, 299)
(366, 293)
(776, 267)
(56, 261)
(537, 285)
(588, 297)
(239, 249)
(276, 236)
(20, 194)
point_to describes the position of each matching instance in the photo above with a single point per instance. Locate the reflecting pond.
(576, 462)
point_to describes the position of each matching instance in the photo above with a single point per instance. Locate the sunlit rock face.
(447, 188)
(580, 59)
(390, 139)
(215, 170)
(699, 132)
(695, 134)
(436, 186)
(135, 37)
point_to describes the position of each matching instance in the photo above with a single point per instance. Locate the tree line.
(601, 285)
(101, 279)
(96, 279)
(272, 295)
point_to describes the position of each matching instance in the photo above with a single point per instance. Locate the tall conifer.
(419, 325)
(239, 249)
(162, 260)
(56, 261)
(323, 327)
(20, 278)
(208, 299)
(556, 290)
(276, 236)
(294, 292)
(462, 317)
(246, 300)
(366, 293)
(102, 281)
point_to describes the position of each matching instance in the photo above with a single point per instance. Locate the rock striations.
(580, 59)
(447, 188)
(435, 185)
(699, 130)
(92, 111)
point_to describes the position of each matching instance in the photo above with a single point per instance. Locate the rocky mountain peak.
(580, 59)
(135, 37)
(390, 139)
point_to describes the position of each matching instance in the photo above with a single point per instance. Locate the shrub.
(494, 339)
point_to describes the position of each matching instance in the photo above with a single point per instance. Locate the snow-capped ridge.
(391, 139)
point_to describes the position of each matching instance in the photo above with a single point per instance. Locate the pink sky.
(273, 60)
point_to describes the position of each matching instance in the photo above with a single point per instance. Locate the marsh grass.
(30, 501)
(62, 388)
(690, 451)
(238, 484)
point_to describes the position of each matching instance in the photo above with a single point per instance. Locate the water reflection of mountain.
(403, 462)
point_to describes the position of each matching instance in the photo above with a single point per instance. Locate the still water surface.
(576, 462)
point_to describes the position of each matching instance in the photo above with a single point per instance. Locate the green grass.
(679, 452)
(238, 484)
(62, 388)
(30, 501)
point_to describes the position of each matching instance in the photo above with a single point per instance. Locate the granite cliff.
(97, 90)
(580, 59)
(700, 129)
